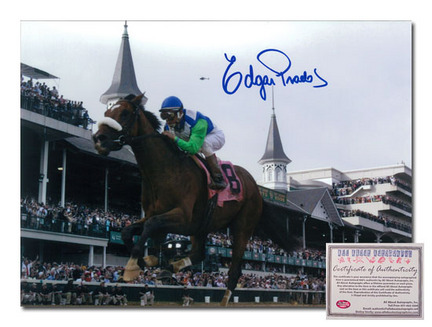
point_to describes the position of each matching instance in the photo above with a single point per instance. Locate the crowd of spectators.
(72, 218)
(397, 203)
(83, 220)
(348, 187)
(345, 188)
(40, 98)
(374, 198)
(255, 244)
(38, 271)
(359, 199)
(250, 280)
(391, 223)
(265, 246)
(76, 291)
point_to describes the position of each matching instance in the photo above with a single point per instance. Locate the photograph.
(172, 164)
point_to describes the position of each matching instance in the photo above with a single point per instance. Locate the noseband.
(123, 132)
(124, 136)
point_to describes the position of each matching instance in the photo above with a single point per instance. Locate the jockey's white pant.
(213, 142)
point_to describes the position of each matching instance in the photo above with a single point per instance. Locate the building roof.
(311, 200)
(124, 80)
(279, 198)
(329, 175)
(274, 149)
(35, 73)
(86, 145)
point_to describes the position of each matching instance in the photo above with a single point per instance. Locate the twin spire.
(274, 150)
(124, 80)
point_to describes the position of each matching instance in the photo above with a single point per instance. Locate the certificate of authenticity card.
(374, 280)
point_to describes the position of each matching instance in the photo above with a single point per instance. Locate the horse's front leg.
(129, 232)
(167, 222)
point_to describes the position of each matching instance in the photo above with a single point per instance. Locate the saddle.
(234, 189)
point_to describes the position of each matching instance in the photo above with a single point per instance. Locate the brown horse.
(175, 194)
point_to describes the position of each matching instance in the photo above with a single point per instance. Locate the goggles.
(168, 115)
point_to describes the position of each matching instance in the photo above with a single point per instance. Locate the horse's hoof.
(164, 274)
(224, 303)
(151, 260)
(132, 270)
(130, 275)
(226, 298)
(180, 264)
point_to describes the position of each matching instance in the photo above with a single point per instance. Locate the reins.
(125, 139)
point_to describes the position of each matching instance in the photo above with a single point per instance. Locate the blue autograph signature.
(232, 80)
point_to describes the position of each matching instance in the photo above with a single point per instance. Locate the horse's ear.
(139, 100)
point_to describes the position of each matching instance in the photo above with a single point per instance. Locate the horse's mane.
(153, 120)
(156, 124)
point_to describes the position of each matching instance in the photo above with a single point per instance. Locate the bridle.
(124, 137)
(123, 132)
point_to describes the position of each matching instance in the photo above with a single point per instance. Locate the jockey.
(193, 132)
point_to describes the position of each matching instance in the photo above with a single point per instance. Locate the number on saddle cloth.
(235, 189)
(231, 177)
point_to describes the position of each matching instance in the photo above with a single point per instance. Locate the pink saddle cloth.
(234, 189)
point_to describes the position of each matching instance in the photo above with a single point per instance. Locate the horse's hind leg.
(197, 254)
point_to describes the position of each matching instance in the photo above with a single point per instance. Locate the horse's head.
(121, 123)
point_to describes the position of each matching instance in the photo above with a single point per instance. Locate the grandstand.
(375, 202)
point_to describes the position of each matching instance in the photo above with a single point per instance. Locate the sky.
(352, 108)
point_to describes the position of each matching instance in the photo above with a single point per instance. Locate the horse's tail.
(273, 225)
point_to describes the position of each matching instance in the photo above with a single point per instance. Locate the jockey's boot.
(218, 182)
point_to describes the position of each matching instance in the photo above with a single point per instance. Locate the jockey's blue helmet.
(171, 103)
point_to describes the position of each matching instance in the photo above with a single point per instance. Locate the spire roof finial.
(273, 108)
(274, 149)
(125, 32)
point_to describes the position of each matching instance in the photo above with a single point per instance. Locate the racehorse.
(175, 195)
